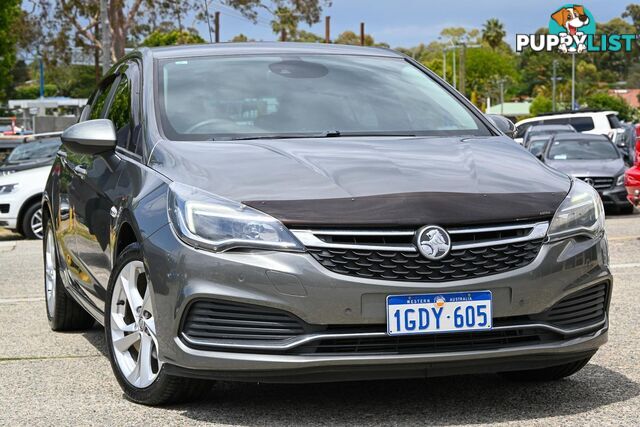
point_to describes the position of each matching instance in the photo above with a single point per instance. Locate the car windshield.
(244, 97)
(536, 147)
(37, 150)
(583, 149)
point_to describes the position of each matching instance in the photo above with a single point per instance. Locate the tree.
(349, 37)
(540, 105)
(174, 37)
(240, 38)
(603, 101)
(9, 16)
(286, 14)
(307, 37)
(493, 33)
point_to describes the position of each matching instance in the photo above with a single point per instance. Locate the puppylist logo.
(572, 29)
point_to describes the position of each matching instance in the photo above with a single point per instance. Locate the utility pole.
(553, 86)
(105, 33)
(216, 23)
(573, 81)
(444, 64)
(455, 77)
(327, 29)
(501, 83)
(362, 34)
(463, 54)
(41, 77)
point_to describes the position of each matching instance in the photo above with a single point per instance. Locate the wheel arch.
(26, 205)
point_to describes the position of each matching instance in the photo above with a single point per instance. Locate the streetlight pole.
(455, 85)
(444, 63)
(501, 83)
(553, 86)
(573, 81)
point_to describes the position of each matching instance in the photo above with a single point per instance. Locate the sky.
(408, 23)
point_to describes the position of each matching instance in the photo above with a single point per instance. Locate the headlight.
(210, 222)
(620, 180)
(7, 188)
(581, 212)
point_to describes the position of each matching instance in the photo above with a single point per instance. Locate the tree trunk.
(119, 28)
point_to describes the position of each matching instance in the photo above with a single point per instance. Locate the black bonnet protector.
(414, 209)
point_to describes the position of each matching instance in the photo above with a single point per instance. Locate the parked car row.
(22, 179)
(594, 146)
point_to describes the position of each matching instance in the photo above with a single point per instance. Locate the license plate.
(429, 313)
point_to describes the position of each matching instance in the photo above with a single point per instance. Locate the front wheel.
(32, 224)
(552, 373)
(132, 343)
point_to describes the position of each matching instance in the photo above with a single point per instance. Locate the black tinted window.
(582, 124)
(614, 122)
(520, 130)
(120, 111)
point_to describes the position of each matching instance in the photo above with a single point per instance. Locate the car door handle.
(80, 170)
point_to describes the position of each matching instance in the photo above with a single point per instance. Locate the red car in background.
(632, 183)
(637, 144)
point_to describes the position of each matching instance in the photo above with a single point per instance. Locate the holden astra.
(289, 212)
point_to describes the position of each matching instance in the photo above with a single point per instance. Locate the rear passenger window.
(582, 124)
(120, 111)
(614, 122)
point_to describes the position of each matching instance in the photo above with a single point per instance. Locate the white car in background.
(23, 176)
(594, 122)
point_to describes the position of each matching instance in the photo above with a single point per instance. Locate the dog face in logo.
(572, 19)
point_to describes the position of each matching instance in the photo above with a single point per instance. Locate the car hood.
(371, 181)
(583, 168)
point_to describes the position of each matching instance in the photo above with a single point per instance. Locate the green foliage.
(486, 67)
(307, 37)
(349, 37)
(170, 38)
(10, 14)
(603, 101)
(32, 91)
(240, 38)
(540, 105)
(493, 33)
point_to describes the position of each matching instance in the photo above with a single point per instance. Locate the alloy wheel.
(50, 272)
(36, 224)
(133, 331)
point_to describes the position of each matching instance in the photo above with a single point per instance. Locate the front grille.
(429, 343)
(393, 254)
(581, 308)
(4, 208)
(412, 266)
(223, 321)
(599, 183)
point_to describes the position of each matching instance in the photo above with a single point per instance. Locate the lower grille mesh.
(412, 266)
(578, 309)
(217, 320)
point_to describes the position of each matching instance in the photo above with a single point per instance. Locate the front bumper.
(297, 284)
(615, 197)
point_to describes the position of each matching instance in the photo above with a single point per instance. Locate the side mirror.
(505, 125)
(540, 157)
(90, 137)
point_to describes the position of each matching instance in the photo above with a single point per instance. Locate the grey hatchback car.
(289, 212)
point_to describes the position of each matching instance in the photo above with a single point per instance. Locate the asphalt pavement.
(49, 378)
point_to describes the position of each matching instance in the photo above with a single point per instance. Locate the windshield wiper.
(327, 134)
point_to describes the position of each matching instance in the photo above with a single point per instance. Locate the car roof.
(253, 48)
(551, 127)
(565, 116)
(580, 136)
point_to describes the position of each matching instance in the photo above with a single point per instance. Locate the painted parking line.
(23, 299)
(629, 265)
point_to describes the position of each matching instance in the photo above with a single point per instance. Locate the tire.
(32, 222)
(552, 373)
(154, 386)
(63, 312)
